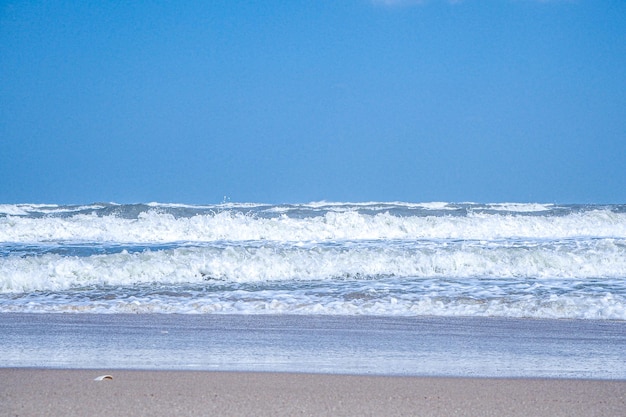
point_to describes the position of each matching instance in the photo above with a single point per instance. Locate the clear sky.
(298, 101)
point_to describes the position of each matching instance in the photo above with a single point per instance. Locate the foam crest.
(521, 207)
(387, 298)
(265, 262)
(156, 226)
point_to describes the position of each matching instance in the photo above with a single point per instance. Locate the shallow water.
(427, 346)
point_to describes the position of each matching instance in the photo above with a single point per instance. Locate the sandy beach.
(47, 392)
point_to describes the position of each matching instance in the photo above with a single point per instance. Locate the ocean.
(388, 259)
(396, 265)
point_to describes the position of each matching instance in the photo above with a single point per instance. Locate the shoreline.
(65, 392)
(165, 365)
(362, 345)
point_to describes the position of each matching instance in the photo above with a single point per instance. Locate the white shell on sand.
(103, 378)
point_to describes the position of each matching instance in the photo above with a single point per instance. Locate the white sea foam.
(516, 260)
(386, 298)
(521, 207)
(44, 209)
(157, 226)
(262, 262)
(13, 210)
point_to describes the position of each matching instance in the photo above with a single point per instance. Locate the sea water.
(547, 261)
(426, 346)
(521, 290)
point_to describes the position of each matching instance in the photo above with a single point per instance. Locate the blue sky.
(298, 101)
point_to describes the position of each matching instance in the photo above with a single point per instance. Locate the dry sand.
(52, 392)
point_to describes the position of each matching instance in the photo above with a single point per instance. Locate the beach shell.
(103, 378)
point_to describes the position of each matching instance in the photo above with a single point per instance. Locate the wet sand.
(62, 392)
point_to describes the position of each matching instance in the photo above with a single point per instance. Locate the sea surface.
(545, 261)
(423, 346)
(489, 290)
